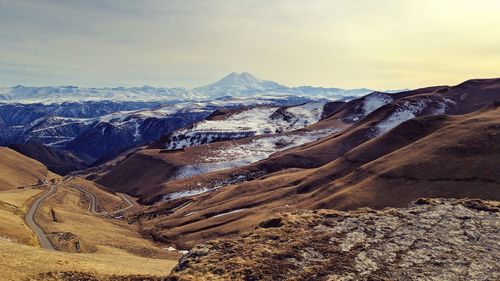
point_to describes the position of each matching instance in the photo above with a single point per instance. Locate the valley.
(322, 140)
(69, 225)
(269, 185)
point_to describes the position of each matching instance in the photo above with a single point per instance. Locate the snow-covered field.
(369, 104)
(238, 155)
(409, 110)
(259, 119)
(375, 101)
(255, 121)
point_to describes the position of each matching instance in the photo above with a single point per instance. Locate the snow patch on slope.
(375, 101)
(256, 119)
(368, 104)
(238, 155)
(251, 122)
(187, 193)
(409, 110)
(230, 212)
(309, 112)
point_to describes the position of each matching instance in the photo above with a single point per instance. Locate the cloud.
(379, 44)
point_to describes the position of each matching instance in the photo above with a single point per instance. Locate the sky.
(378, 44)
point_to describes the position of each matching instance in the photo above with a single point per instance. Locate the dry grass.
(18, 170)
(13, 227)
(18, 197)
(106, 201)
(21, 262)
(13, 208)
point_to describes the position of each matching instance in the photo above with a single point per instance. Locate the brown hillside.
(431, 142)
(58, 161)
(435, 156)
(466, 97)
(17, 170)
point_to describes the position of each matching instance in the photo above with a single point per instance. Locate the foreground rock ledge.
(432, 239)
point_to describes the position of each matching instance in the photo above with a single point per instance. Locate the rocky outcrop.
(432, 239)
(193, 138)
(82, 276)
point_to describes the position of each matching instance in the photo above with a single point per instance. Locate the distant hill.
(58, 161)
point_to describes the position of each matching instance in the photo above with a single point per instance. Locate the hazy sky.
(380, 44)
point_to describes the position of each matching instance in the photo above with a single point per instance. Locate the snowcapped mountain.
(49, 95)
(239, 84)
(97, 136)
(245, 84)
(103, 129)
(235, 85)
(101, 122)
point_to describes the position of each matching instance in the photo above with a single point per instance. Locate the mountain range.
(253, 183)
(376, 151)
(98, 124)
(234, 85)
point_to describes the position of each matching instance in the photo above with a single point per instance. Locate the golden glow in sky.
(378, 44)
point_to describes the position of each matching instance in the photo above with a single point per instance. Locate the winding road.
(93, 199)
(131, 203)
(42, 237)
(30, 219)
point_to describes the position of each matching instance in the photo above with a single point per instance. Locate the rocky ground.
(79, 276)
(432, 239)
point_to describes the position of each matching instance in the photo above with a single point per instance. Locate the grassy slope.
(18, 170)
(19, 262)
(13, 208)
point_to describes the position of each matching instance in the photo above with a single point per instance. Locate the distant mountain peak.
(235, 82)
(240, 74)
(239, 79)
